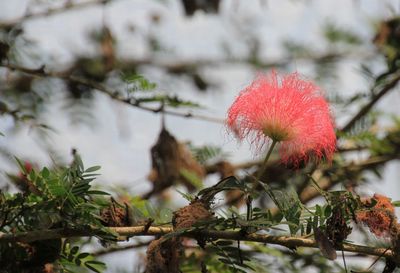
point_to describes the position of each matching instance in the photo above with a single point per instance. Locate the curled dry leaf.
(169, 160)
(324, 244)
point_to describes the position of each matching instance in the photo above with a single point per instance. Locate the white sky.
(122, 136)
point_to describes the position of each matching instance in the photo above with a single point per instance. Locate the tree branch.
(290, 242)
(110, 250)
(52, 11)
(188, 66)
(213, 168)
(325, 183)
(366, 108)
(113, 94)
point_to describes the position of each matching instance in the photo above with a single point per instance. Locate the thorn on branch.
(148, 225)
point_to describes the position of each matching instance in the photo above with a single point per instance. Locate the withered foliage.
(170, 161)
(378, 215)
(116, 215)
(337, 228)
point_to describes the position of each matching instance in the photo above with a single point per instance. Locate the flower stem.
(264, 164)
(249, 199)
(262, 170)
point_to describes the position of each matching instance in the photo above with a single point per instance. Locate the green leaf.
(56, 189)
(204, 154)
(192, 178)
(45, 173)
(165, 215)
(74, 250)
(228, 183)
(318, 210)
(187, 196)
(21, 165)
(336, 34)
(94, 269)
(152, 212)
(138, 82)
(175, 101)
(95, 266)
(396, 203)
(92, 169)
(309, 226)
(78, 262)
(289, 204)
(223, 243)
(328, 211)
(83, 255)
(32, 175)
(228, 262)
(97, 192)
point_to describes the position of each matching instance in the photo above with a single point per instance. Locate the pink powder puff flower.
(288, 110)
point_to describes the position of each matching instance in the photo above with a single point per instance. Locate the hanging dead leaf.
(172, 163)
(107, 48)
(324, 244)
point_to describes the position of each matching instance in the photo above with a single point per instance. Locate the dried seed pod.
(187, 216)
(163, 256)
(116, 215)
(380, 218)
(337, 229)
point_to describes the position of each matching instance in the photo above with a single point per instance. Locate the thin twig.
(366, 108)
(113, 94)
(188, 66)
(213, 168)
(324, 183)
(111, 250)
(306, 194)
(290, 242)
